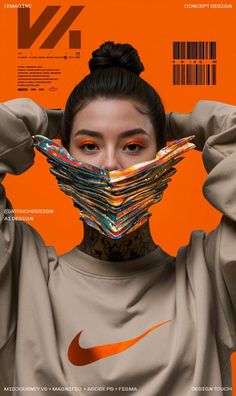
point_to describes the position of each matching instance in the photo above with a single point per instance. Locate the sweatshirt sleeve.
(214, 125)
(19, 119)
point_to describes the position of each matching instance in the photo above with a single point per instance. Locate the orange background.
(151, 27)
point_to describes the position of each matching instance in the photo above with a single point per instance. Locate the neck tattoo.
(137, 244)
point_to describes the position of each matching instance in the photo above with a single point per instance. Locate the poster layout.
(188, 50)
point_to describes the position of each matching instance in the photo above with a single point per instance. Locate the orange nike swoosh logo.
(80, 356)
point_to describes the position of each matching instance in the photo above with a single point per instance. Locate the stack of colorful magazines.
(114, 202)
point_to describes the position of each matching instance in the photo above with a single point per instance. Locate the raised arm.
(214, 125)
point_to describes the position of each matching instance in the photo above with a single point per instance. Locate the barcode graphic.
(194, 63)
(194, 50)
(194, 74)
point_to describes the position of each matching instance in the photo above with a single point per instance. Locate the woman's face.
(112, 134)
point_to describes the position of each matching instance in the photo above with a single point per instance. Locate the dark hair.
(114, 73)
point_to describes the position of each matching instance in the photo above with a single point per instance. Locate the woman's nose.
(111, 161)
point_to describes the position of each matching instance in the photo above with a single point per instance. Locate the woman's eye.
(133, 147)
(88, 147)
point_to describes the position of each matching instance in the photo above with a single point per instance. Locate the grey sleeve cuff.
(54, 117)
(180, 125)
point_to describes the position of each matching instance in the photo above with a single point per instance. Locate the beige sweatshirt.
(155, 326)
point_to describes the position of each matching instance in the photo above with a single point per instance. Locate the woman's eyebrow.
(125, 134)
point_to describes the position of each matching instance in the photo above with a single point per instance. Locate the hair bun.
(110, 54)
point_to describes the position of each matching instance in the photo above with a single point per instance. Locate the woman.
(119, 315)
